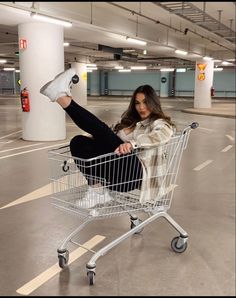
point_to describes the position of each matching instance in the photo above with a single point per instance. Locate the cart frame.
(73, 193)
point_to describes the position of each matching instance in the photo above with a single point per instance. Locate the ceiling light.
(91, 65)
(181, 52)
(17, 70)
(225, 63)
(92, 68)
(167, 69)
(66, 44)
(233, 59)
(128, 50)
(144, 52)
(89, 70)
(119, 67)
(44, 18)
(8, 68)
(218, 69)
(138, 67)
(217, 60)
(124, 70)
(3, 61)
(207, 58)
(180, 69)
(141, 42)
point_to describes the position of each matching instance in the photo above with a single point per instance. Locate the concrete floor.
(31, 229)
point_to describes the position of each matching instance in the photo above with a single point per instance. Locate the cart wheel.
(75, 79)
(175, 247)
(135, 223)
(91, 277)
(63, 259)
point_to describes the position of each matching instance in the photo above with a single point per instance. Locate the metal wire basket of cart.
(104, 186)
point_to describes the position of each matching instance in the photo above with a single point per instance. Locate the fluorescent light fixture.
(119, 67)
(207, 58)
(181, 52)
(66, 44)
(217, 60)
(92, 68)
(128, 50)
(3, 61)
(8, 68)
(144, 52)
(91, 65)
(89, 70)
(218, 69)
(44, 18)
(233, 59)
(138, 67)
(226, 63)
(167, 69)
(180, 69)
(17, 70)
(124, 70)
(137, 41)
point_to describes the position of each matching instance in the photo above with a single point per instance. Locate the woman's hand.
(124, 148)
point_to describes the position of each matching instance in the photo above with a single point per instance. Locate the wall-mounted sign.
(19, 82)
(84, 75)
(163, 79)
(22, 44)
(201, 67)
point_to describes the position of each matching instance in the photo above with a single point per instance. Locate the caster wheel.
(135, 223)
(176, 248)
(63, 259)
(91, 277)
(75, 79)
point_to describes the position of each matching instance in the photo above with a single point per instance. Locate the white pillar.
(164, 84)
(40, 62)
(79, 90)
(203, 82)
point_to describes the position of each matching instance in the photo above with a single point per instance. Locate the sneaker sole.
(43, 89)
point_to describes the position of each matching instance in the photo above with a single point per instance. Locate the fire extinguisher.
(25, 102)
(212, 91)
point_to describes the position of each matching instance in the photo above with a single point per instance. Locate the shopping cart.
(81, 187)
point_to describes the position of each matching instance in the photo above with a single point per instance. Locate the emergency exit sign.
(22, 44)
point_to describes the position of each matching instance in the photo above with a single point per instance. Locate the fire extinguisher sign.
(22, 44)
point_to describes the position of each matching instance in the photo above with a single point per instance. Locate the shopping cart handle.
(194, 125)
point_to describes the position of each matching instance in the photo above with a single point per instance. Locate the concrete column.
(79, 90)
(203, 82)
(40, 62)
(164, 84)
(95, 83)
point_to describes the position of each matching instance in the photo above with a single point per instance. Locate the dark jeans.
(121, 173)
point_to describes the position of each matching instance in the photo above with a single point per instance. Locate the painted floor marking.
(20, 147)
(47, 189)
(38, 193)
(39, 280)
(15, 154)
(231, 138)
(227, 148)
(203, 165)
(10, 134)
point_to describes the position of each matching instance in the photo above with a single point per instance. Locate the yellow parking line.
(39, 280)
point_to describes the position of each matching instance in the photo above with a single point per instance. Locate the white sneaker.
(92, 198)
(60, 86)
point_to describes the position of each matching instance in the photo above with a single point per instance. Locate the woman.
(143, 125)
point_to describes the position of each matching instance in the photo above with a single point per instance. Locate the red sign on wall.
(22, 44)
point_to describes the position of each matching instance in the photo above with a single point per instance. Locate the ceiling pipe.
(168, 26)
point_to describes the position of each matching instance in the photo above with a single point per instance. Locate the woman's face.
(141, 106)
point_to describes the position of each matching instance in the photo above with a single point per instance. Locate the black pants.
(121, 173)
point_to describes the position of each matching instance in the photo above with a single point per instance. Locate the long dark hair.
(130, 117)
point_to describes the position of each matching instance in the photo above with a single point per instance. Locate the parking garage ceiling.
(100, 29)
